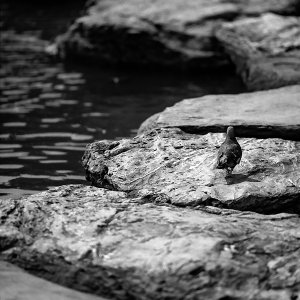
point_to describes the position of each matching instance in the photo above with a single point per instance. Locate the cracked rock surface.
(179, 168)
(111, 243)
(160, 32)
(272, 113)
(265, 50)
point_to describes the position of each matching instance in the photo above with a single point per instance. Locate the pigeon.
(230, 152)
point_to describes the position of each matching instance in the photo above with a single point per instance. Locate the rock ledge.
(179, 168)
(265, 50)
(110, 244)
(266, 114)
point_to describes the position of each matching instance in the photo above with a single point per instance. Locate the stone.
(161, 32)
(273, 113)
(180, 168)
(265, 50)
(110, 243)
(152, 122)
(16, 284)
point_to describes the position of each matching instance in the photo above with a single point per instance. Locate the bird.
(230, 152)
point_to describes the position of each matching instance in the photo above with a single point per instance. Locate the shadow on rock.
(239, 178)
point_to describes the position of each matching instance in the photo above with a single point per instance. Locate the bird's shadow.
(238, 178)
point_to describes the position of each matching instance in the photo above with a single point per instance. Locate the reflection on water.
(50, 111)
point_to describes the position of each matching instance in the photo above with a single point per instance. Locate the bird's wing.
(222, 156)
(220, 152)
(237, 152)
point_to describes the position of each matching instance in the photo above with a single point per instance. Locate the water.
(49, 110)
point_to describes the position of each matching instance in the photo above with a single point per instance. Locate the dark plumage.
(230, 152)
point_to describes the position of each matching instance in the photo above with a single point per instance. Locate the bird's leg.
(228, 172)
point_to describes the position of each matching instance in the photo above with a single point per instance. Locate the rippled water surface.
(49, 111)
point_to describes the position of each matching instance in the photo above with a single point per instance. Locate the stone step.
(112, 244)
(180, 168)
(273, 113)
(265, 50)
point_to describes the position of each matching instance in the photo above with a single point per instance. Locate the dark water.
(49, 111)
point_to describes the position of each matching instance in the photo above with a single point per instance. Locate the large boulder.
(109, 243)
(273, 113)
(160, 32)
(16, 284)
(265, 50)
(179, 168)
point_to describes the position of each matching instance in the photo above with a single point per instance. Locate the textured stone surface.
(273, 113)
(160, 32)
(265, 50)
(110, 244)
(180, 168)
(15, 284)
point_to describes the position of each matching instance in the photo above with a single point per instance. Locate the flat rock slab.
(160, 32)
(110, 244)
(179, 168)
(265, 50)
(273, 113)
(16, 284)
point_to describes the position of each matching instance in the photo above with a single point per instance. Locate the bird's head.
(230, 132)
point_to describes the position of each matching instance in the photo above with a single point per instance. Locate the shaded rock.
(180, 168)
(160, 32)
(110, 244)
(273, 113)
(265, 50)
(19, 285)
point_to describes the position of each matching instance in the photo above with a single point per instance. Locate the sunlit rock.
(273, 113)
(180, 168)
(109, 243)
(265, 50)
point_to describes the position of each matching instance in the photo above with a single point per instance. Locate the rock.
(108, 243)
(151, 122)
(273, 113)
(179, 168)
(19, 285)
(265, 50)
(160, 32)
